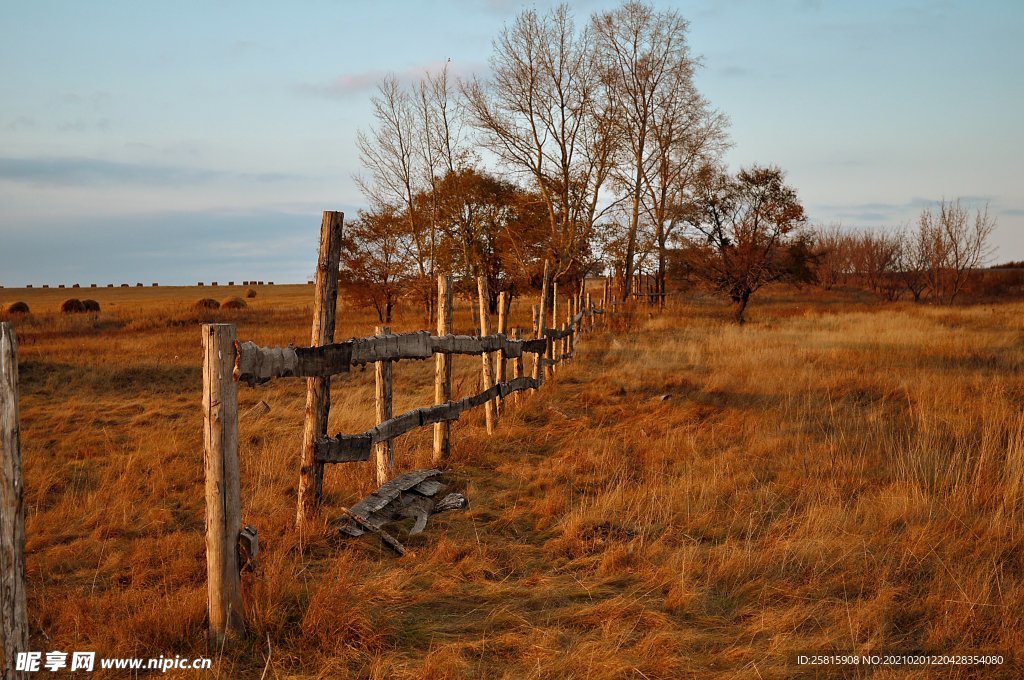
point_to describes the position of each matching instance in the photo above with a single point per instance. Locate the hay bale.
(250, 293)
(72, 306)
(233, 303)
(18, 307)
(206, 303)
(91, 305)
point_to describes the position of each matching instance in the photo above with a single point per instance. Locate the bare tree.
(391, 153)
(957, 244)
(645, 63)
(540, 115)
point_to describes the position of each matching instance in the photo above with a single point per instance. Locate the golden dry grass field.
(833, 475)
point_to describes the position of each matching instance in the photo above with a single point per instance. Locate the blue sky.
(187, 141)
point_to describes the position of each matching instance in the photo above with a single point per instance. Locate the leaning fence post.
(385, 450)
(500, 354)
(485, 329)
(443, 369)
(590, 314)
(13, 608)
(318, 390)
(223, 495)
(537, 356)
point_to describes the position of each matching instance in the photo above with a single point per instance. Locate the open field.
(833, 475)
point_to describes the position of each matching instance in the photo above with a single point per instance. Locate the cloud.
(880, 213)
(21, 123)
(350, 84)
(89, 172)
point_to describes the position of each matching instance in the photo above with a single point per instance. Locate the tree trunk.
(741, 306)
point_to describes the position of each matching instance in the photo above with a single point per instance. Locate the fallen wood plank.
(386, 538)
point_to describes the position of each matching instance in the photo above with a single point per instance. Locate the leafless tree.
(956, 244)
(645, 63)
(389, 152)
(541, 116)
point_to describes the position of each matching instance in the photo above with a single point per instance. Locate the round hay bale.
(18, 307)
(91, 305)
(233, 303)
(250, 293)
(72, 306)
(206, 303)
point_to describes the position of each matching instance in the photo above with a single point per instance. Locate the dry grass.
(831, 476)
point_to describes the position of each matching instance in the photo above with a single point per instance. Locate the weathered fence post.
(318, 390)
(485, 329)
(13, 608)
(500, 354)
(385, 450)
(556, 345)
(223, 495)
(537, 330)
(517, 364)
(590, 314)
(538, 369)
(443, 369)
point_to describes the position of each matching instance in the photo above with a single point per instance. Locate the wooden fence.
(228, 362)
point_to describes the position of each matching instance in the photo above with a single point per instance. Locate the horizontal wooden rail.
(351, 448)
(259, 364)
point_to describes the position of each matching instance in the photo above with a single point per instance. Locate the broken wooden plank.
(352, 448)
(255, 365)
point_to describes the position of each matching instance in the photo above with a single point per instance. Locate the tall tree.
(645, 64)
(540, 115)
(391, 153)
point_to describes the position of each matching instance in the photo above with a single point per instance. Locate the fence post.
(13, 607)
(500, 354)
(538, 369)
(590, 314)
(517, 364)
(556, 345)
(318, 390)
(223, 495)
(385, 449)
(443, 369)
(485, 329)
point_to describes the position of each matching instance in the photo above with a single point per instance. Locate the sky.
(177, 142)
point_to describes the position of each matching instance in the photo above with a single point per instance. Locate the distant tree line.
(932, 259)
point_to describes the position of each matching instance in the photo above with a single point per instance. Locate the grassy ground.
(689, 498)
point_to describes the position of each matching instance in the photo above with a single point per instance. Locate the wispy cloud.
(98, 172)
(350, 84)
